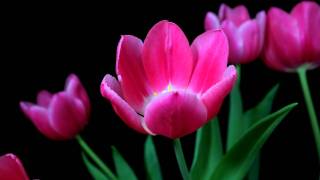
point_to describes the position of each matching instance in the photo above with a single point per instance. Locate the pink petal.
(111, 90)
(211, 21)
(67, 115)
(237, 15)
(214, 97)
(167, 57)
(39, 117)
(210, 50)
(131, 73)
(44, 98)
(11, 168)
(249, 32)
(261, 20)
(307, 15)
(283, 38)
(235, 40)
(76, 89)
(175, 114)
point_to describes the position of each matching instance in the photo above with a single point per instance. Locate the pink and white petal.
(237, 15)
(11, 168)
(111, 90)
(131, 74)
(235, 40)
(44, 98)
(210, 51)
(284, 37)
(211, 21)
(39, 117)
(214, 97)
(75, 88)
(167, 57)
(66, 115)
(307, 15)
(249, 31)
(261, 20)
(175, 114)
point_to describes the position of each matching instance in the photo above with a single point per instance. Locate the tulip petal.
(284, 38)
(236, 42)
(44, 98)
(74, 87)
(175, 114)
(210, 50)
(261, 20)
(111, 90)
(167, 57)
(237, 15)
(130, 72)
(211, 21)
(39, 116)
(67, 115)
(11, 168)
(307, 15)
(249, 33)
(213, 98)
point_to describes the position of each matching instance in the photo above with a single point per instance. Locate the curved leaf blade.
(237, 161)
(123, 170)
(151, 161)
(208, 150)
(235, 123)
(94, 171)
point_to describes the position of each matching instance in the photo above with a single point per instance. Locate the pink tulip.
(165, 87)
(293, 40)
(11, 168)
(245, 35)
(62, 115)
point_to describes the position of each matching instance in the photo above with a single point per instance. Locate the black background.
(44, 43)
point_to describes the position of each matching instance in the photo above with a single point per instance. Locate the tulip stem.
(310, 107)
(180, 158)
(95, 158)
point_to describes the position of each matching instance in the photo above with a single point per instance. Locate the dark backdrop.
(47, 42)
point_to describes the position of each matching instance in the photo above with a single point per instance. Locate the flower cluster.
(165, 86)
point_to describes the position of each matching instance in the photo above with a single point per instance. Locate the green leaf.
(208, 150)
(93, 170)
(151, 160)
(123, 170)
(262, 109)
(235, 124)
(251, 116)
(237, 161)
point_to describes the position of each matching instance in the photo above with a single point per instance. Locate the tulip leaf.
(262, 109)
(151, 160)
(235, 125)
(251, 116)
(93, 170)
(208, 150)
(123, 169)
(237, 161)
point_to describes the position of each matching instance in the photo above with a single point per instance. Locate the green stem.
(180, 158)
(95, 158)
(310, 107)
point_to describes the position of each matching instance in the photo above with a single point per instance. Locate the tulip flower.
(62, 115)
(245, 35)
(292, 45)
(165, 87)
(11, 168)
(292, 40)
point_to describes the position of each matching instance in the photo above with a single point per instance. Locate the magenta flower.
(292, 40)
(11, 168)
(62, 115)
(245, 35)
(165, 87)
